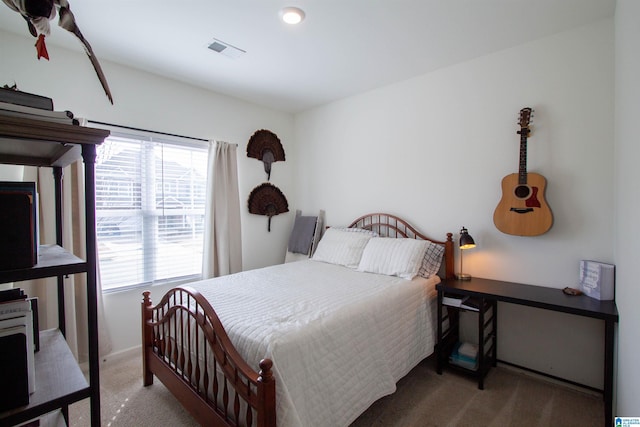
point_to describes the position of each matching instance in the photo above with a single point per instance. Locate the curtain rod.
(147, 130)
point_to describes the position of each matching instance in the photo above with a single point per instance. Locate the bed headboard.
(387, 225)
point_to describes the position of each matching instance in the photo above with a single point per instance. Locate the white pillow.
(393, 257)
(357, 230)
(341, 247)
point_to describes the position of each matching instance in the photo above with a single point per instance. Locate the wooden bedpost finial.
(267, 388)
(265, 374)
(448, 250)
(145, 298)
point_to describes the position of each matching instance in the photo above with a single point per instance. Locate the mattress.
(339, 339)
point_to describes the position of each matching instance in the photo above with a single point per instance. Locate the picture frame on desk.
(597, 280)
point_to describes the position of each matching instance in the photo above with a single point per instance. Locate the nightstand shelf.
(448, 337)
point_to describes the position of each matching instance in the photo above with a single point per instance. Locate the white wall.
(627, 248)
(434, 149)
(147, 101)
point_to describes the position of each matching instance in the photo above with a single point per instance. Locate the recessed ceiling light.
(292, 15)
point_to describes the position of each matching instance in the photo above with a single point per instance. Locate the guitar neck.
(522, 172)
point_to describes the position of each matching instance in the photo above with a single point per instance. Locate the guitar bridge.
(521, 210)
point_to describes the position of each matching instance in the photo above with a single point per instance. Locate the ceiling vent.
(226, 49)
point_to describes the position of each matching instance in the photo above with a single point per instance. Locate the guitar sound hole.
(522, 191)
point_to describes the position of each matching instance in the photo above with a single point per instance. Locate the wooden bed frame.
(185, 369)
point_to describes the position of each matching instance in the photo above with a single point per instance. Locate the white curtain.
(222, 232)
(73, 240)
(76, 286)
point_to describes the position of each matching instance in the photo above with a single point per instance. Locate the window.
(150, 196)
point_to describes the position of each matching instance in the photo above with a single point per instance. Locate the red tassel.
(41, 48)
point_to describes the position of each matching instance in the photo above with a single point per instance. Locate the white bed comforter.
(339, 339)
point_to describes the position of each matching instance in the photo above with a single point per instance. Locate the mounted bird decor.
(265, 145)
(267, 199)
(38, 13)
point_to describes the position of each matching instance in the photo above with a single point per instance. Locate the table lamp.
(466, 242)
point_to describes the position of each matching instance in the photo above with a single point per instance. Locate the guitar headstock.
(525, 117)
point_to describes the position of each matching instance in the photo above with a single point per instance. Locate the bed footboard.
(186, 347)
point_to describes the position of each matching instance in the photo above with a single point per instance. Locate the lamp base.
(461, 276)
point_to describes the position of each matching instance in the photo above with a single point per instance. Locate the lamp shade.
(466, 241)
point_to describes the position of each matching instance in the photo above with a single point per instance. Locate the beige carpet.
(423, 399)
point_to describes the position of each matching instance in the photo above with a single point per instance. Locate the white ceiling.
(343, 47)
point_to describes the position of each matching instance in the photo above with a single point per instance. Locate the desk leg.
(495, 334)
(482, 370)
(439, 341)
(608, 371)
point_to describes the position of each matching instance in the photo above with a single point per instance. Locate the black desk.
(491, 291)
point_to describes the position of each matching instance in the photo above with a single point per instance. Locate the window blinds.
(150, 197)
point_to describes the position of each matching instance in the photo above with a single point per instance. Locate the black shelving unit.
(59, 380)
(449, 335)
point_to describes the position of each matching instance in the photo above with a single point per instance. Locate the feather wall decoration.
(265, 145)
(267, 199)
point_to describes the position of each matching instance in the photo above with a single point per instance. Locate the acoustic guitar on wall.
(523, 210)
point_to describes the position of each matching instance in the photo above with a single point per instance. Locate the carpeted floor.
(423, 399)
